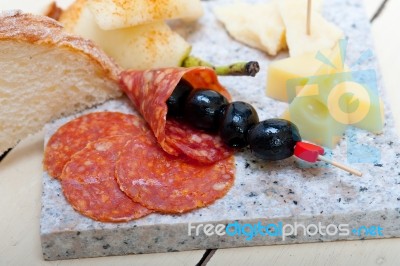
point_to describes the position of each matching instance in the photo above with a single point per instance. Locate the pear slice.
(324, 35)
(117, 14)
(141, 47)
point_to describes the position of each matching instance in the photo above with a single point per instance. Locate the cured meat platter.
(286, 191)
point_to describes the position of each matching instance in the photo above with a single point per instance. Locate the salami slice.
(88, 182)
(196, 144)
(149, 91)
(75, 135)
(170, 184)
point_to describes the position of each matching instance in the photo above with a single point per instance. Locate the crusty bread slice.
(46, 73)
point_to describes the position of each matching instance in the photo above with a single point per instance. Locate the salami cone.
(149, 91)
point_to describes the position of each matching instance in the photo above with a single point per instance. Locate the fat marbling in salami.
(170, 184)
(89, 185)
(75, 135)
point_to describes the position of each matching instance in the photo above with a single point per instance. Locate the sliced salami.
(75, 135)
(170, 184)
(199, 146)
(149, 91)
(88, 182)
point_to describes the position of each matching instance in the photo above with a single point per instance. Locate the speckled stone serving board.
(266, 192)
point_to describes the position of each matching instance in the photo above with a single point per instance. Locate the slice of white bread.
(46, 73)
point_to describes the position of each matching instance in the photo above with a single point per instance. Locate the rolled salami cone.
(149, 91)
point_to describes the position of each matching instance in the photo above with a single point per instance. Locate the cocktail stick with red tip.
(312, 153)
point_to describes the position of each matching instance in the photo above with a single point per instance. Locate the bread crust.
(41, 30)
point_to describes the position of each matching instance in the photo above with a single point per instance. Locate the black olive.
(237, 119)
(176, 101)
(273, 139)
(202, 108)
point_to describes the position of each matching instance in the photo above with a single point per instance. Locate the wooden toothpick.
(312, 153)
(341, 166)
(308, 26)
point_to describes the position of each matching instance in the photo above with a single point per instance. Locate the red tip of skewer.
(307, 151)
(312, 153)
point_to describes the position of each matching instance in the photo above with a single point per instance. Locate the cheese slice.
(256, 25)
(282, 72)
(361, 106)
(324, 35)
(333, 98)
(310, 112)
(117, 14)
(141, 47)
(309, 109)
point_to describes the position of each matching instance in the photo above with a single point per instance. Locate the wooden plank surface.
(354, 253)
(385, 30)
(371, 6)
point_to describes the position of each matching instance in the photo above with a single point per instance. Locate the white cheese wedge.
(256, 25)
(324, 35)
(117, 14)
(141, 47)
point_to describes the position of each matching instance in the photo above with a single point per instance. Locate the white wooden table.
(20, 189)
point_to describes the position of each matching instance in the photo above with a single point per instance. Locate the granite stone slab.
(268, 192)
